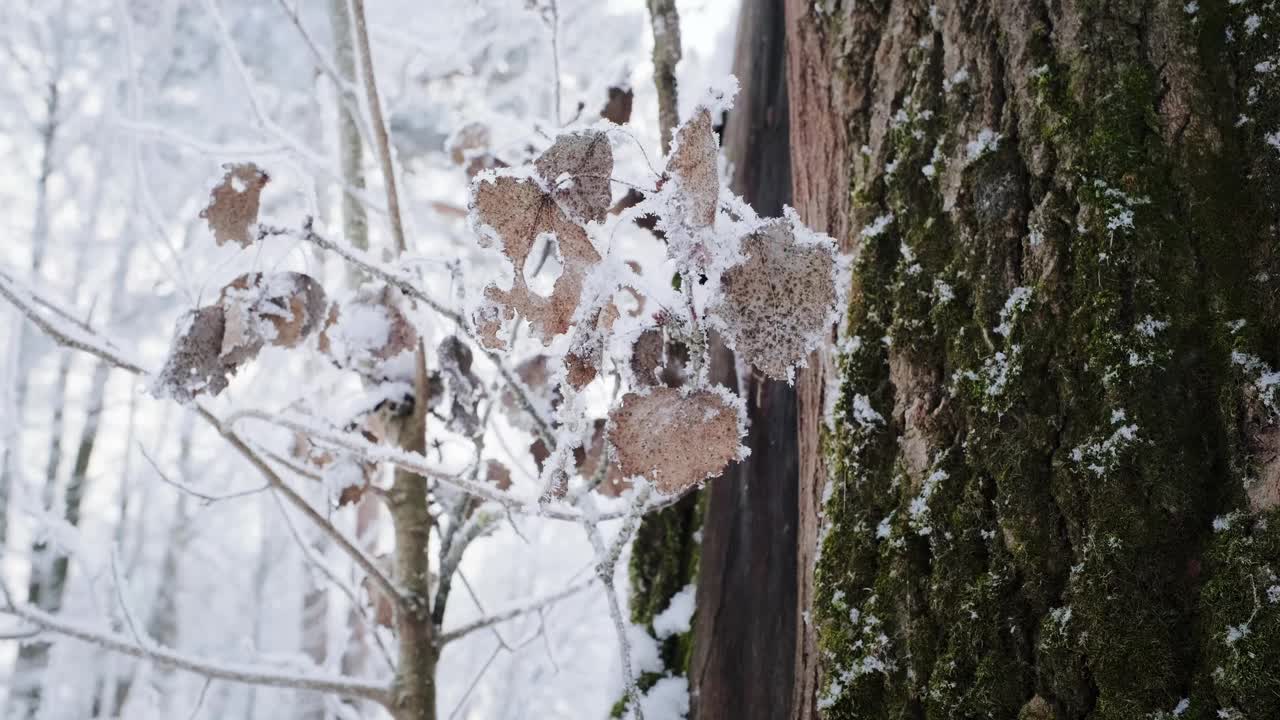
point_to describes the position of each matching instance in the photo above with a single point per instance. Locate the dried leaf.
(693, 166)
(497, 475)
(384, 607)
(614, 483)
(351, 495)
(535, 374)
(577, 169)
(617, 109)
(674, 439)
(195, 364)
(282, 309)
(233, 204)
(368, 330)
(656, 360)
(517, 212)
(469, 141)
(454, 358)
(779, 303)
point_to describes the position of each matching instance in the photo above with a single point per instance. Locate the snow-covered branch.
(233, 672)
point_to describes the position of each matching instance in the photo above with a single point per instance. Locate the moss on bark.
(1053, 384)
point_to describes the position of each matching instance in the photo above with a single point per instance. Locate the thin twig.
(666, 55)
(382, 141)
(204, 497)
(517, 610)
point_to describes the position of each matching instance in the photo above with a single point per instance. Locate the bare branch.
(383, 143)
(366, 563)
(666, 55)
(72, 334)
(320, 565)
(516, 611)
(234, 672)
(366, 262)
(413, 462)
(203, 497)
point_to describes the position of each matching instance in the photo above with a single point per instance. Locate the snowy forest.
(701, 359)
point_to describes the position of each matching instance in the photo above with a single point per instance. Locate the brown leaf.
(469, 141)
(497, 475)
(577, 169)
(778, 304)
(351, 495)
(618, 107)
(656, 360)
(517, 212)
(535, 374)
(195, 364)
(454, 359)
(673, 439)
(282, 309)
(233, 204)
(614, 483)
(693, 166)
(384, 607)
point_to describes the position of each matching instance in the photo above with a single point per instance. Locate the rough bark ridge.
(1051, 474)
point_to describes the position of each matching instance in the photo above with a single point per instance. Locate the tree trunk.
(1051, 474)
(746, 590)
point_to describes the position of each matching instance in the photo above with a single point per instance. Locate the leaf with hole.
(515, 213)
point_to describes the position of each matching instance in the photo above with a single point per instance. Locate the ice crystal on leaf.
(778, 304)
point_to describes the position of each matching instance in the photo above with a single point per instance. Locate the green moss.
(1086, 445)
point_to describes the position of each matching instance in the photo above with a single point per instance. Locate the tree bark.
(1051, 473)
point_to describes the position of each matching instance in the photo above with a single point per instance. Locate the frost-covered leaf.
(254, 310)
(468, 141)
(515, 213)
(461, 386)
(347, 479)
(195, 364)
(367, 331)
(676, 439)
(589, 459)
(777, 305)
(281, 309)
(470, 147)
(656, 361)
(692, 166)
(233, 204)
(577, 169)
(535, 374)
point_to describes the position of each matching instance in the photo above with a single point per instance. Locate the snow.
(677, 616)
(668, 699)
(877, 226)
(863, 413)
(985, 142)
